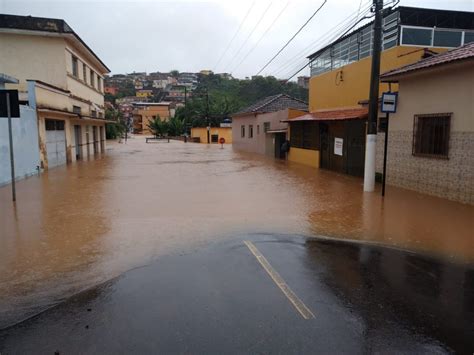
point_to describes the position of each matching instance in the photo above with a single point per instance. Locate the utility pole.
(207, 117)
(371, 141)
(12, 159)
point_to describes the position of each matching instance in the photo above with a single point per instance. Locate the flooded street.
(82, 224)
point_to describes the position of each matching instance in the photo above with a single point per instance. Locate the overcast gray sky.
(146, 35)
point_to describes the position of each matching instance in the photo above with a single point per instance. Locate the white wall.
(25, 148)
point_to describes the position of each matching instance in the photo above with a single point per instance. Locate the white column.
(369, 169)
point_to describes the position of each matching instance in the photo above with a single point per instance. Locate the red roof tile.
(461, 53)
(333, 115)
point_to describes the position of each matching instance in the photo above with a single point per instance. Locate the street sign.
(389, 102)
(14, 103)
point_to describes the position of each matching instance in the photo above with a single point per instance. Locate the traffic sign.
(389, 102)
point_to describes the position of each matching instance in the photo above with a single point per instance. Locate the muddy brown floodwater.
(87, 222)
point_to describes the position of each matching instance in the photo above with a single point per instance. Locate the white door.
(55, 143)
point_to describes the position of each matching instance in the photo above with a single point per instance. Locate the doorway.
(78, 141)
(280, 138)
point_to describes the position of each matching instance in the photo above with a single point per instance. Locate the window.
(92, 78)
(93, 113)
(242, 131)
(84, 72)
(444, 38)
(304, 135)
(76, 109)
(266, 126)
(101, 114)
(54, 125)
(250, 131)
(431, 135)
(417, 36)
(98, 82)
(468, 37)
(258, 129)
(74, 67)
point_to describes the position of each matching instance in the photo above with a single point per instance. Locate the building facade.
(431, 136)
(144, 112)
(200, 134)
(260, 128)
(340, 80)
(66, 77)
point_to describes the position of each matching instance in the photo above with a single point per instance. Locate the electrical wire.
(235, 34)
(291, 39)
(341, 36)
(250, 34)
(324, 38)
(260, 39)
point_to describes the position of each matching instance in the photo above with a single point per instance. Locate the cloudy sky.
(146, 35)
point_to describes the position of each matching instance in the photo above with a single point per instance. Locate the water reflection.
(389, 288)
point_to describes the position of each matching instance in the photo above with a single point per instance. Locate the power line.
(345, 32)
(291, 39)
(260, 39)
(250, 34)
(329, 37)
(235, 35)
(317, 43)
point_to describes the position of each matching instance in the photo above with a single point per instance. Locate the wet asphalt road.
(219, 299)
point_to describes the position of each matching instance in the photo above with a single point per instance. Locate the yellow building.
(66, 78)
(340, 80)
(144, 93)
(144, 112)
(199, 134)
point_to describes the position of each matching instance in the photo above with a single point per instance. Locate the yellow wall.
(304, 156)
(328, 91)
(146, 113)
(292, 113)
(144, 94)
(201, 132)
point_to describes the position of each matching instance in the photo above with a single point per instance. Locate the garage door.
(55, 143)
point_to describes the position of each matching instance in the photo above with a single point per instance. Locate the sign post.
(389, 105)
(9, 100)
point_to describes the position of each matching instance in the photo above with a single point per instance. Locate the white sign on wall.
(338, 142)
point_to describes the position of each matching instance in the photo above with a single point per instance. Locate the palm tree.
(158, 127)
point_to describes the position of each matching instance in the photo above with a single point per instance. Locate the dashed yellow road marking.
(292, 297)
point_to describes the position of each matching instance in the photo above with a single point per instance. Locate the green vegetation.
(158, 127)
(115, 126)
(216, 98)
(227, 96)
(173, 127)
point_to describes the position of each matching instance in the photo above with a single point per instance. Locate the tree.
(175, 127)
(116, 125)
(158, 127)
(174, 73)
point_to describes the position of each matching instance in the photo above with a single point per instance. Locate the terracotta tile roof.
(465, 52)
(274, 103)
(333, 115)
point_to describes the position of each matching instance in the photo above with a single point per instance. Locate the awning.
(284, 130)
(333, 115)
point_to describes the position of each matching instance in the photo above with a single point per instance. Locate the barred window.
(250, 131)
(431, 135)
